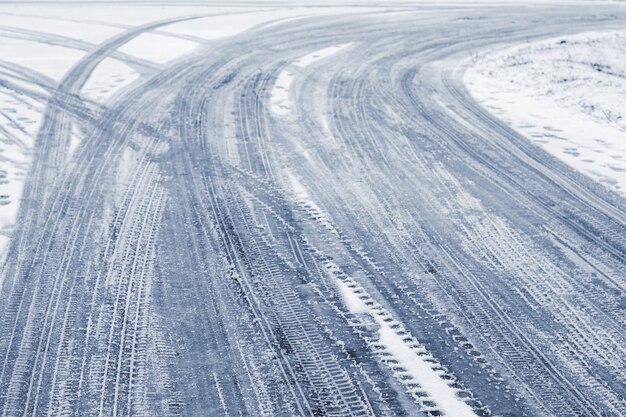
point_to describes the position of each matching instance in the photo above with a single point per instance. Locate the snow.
(567, 95)
(109, 77)
(161, 48)
(20, 121)
(360, 199)
(214, 27)
(320, 54)
(96, 23)
(158, 48)
(53, 61)
(280, 103)
(304, 200)
(406, 350)
(11, 180)
(279, 100)
(88, 32)
(105, 14)
(230, 24)
(75, 139)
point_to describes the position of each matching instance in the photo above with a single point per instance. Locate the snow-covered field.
(567, 94)
(286, 209)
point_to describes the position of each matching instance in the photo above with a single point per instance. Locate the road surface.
(377, 245)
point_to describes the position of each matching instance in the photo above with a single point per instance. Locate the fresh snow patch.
(109, 77)
(280, 103)
(11, 184)
(567, 95)
(13, 165)
(305, 201)
(158, 48)
(88, 32)
(53, 61)
(415, 367)
(20, 118)
(75, 139)
(279, 100)
(214, 27)
(230, 24)
(105, 14)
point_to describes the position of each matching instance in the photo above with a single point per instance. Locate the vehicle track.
(185, 259)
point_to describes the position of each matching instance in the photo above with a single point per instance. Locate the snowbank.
(567, 95)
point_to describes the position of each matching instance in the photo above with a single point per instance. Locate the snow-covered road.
(269, 210)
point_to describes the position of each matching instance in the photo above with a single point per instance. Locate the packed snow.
(412, 363)
(347, 256)
(280, 103)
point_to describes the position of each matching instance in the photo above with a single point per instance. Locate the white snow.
(415, 367)
(280, 103)
(158, 48)
(103, 14)
(279, 99)
(235, 21)
(75, 139)
(11, 182)
(230, 24)
(95, 23)
(567, 95)
(304, 200)
(88, 32)
(109, 77)
(21, 120)
(51, 60)
(319, 54)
